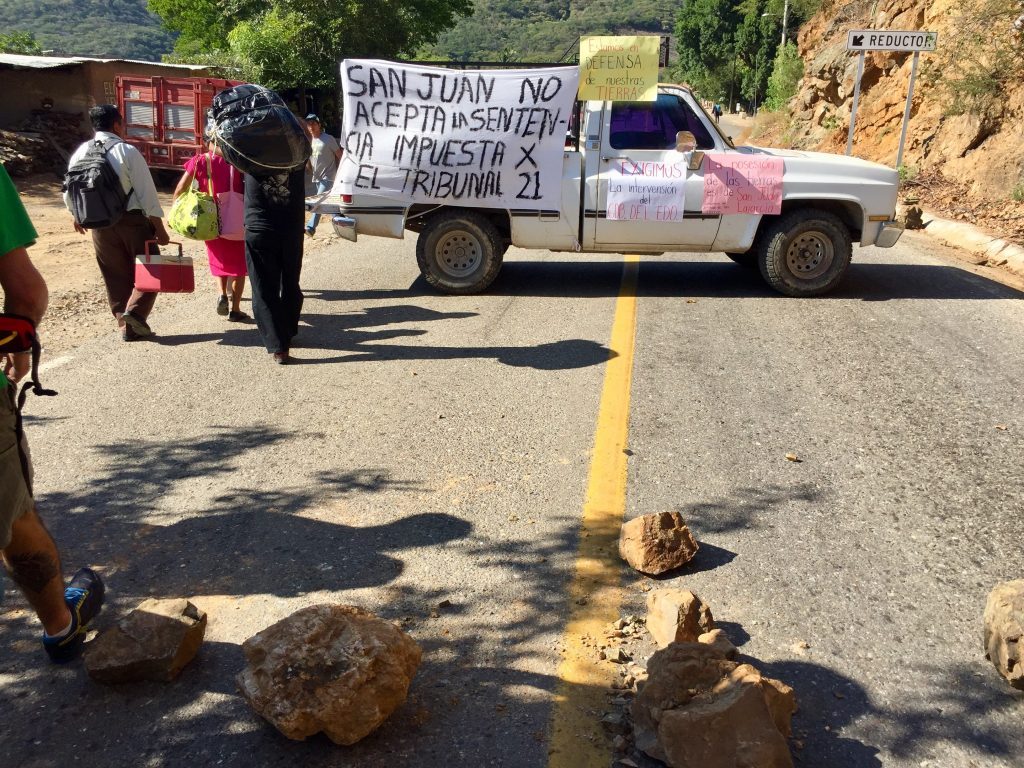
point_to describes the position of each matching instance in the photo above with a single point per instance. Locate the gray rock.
(1004, 630)
(657, 543)
(677, 615)
(700, 710)
(331, 668)
(153, 642)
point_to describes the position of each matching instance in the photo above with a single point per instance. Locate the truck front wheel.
(459, 252)
(805, 253)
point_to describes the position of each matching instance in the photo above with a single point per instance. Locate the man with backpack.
(28, 551)
(110, 192)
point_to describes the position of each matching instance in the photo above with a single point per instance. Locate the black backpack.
(97, 197)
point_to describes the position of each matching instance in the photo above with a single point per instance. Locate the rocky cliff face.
(980, 155)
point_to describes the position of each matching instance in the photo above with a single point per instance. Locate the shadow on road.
(345, 333)
(248, 540)
(709, 279)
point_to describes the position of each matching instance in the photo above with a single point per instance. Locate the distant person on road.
(226, 257)
(29, 553)
(117, 245)
(717, 111)
(274, 209)
(323, 163)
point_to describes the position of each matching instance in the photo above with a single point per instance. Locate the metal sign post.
(856, 98)
(906, 111)
(863, 40)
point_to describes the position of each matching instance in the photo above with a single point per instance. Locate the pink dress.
(227, 257)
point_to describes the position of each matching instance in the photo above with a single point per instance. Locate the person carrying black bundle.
(274, 212)
(261, 137)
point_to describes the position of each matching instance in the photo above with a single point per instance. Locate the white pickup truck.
(828, 201)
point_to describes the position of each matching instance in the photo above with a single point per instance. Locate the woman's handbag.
(194, 213)
(231, 209)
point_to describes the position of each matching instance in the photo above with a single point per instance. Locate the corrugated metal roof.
(49, 62)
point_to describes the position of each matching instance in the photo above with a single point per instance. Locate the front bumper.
(889, 234)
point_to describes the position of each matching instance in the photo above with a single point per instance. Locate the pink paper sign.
(742, 184)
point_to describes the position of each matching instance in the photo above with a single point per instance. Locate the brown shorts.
(15, 497)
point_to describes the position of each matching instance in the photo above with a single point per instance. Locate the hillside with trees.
(123, 29)
(545, 30)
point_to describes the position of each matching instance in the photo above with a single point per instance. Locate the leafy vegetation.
(103, 28)
(981, 58)
(545, 30)
(19, 42)
(727, 48)
(785, 77)
(298, 43)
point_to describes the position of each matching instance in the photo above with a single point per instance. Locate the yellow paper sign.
(619, 68)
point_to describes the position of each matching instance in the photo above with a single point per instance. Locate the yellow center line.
(581, 696)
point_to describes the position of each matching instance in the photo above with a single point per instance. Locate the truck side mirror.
(685, 141)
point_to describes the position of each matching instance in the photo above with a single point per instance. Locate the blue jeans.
(314, 218)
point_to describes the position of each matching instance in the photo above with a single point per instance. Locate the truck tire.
(459, 252)
(805, 253)
(746, 259)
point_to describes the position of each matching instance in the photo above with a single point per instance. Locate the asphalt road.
(430, 448)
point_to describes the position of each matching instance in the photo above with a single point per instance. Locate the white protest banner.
(647, 191)
(735, 183)
(466, 137)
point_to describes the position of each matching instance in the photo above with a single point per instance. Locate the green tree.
(19, 42)
(706, 44)
(202, 25)
(786, 74)
(298, 43)
(275, 50)
(756, 44)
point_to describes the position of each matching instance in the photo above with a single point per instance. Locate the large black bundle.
(256, 132)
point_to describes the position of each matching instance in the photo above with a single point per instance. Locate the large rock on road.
(331, 668)
(700, 710)
(1004, 630)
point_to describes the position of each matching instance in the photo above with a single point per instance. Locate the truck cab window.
(654, 124)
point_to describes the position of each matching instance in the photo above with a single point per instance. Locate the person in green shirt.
(28, 551)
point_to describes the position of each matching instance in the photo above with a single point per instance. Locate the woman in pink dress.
(226, 257)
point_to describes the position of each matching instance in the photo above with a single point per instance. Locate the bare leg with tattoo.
(33, 563)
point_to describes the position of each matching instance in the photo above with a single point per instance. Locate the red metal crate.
(164, 116)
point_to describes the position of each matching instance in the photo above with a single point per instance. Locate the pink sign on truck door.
(736, 183)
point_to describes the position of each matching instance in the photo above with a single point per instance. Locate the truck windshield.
(654, 124)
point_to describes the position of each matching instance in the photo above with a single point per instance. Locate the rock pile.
(700, 710)
(331, 668)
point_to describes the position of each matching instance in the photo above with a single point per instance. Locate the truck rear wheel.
(459, 252)
(805, 253)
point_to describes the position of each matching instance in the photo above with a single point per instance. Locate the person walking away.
(323, 163)
(226, 257)
(29, 553)
(274, 209)
(118, 244)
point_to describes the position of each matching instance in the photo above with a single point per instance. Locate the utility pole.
(732, 82)
(785, 18)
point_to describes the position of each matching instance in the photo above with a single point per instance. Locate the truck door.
(638, 141)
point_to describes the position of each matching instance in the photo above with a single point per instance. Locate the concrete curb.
(996, 251)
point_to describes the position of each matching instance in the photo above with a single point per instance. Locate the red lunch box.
(158, 272)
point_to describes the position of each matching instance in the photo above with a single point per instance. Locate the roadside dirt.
(78, 308)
